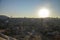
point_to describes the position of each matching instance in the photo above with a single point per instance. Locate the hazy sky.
(28, 8)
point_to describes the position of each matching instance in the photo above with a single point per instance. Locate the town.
(30, 28)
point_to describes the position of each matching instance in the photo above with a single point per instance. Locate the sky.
(29, 8)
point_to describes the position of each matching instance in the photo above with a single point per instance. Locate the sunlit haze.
(30, 8)
(43, 13)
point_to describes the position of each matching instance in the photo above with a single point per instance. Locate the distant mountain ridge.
(3, 17)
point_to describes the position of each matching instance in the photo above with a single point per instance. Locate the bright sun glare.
(43, 13)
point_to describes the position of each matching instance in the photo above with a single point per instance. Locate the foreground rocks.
(4, 37)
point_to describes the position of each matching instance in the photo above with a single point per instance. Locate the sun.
(43, 13)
